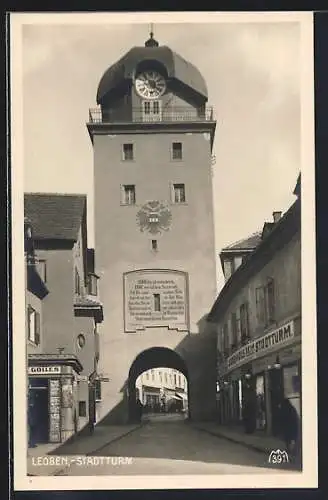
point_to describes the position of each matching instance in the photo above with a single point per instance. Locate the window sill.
(128, 204)
(179, 204)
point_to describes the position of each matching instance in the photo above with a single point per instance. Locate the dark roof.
(55, 216)
(282, 232)
(176, 67)
(297, 190)
(249, 243)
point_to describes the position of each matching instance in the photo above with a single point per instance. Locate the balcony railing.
(138, 115)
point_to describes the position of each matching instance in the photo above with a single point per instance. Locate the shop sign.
(44, 370)
(261, 346)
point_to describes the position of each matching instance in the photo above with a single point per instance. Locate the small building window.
(234, 331)
(154, 245)
(82, 409)
(177, 151)
(33, 325)
(157, 302)
(179, 193)
(92, 284)
(129, 195)
(225, 336)
(244, 322)
(270, 301)
(81, 340)
(128, 152)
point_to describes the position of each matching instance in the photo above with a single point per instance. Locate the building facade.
(258, 320)
(62, 317)
(152, 136)
(163, 390)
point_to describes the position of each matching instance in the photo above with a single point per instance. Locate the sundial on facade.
(154, 217)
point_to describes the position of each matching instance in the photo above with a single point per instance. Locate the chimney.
(276, 216)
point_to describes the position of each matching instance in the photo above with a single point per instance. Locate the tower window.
(179, 193)
(151, 110)
(154, 245)
(129, 195)
(128, 153)
(177, 151)
(157, 302)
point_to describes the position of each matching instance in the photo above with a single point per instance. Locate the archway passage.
(155, 357)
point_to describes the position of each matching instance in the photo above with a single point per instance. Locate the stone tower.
(152, 136)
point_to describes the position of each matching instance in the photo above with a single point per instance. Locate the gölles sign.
(44, 370)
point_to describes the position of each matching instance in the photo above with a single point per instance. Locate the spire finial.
(151, 42)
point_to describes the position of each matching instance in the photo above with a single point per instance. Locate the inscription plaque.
(154, 298)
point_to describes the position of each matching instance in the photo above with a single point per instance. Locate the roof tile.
(55, 216)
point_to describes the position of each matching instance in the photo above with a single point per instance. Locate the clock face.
(150, 84)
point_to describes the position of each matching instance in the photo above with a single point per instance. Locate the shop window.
(260, 403)
(292, 385)
(33, 325)
(82, 409)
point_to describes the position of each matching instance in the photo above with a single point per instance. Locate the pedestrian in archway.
(289, 425)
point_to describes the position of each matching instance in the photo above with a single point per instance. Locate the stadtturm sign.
(262, 345)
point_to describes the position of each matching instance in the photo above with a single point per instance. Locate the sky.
(252, 72)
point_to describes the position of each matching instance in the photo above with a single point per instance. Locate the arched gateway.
(152, 135)
(155, 357)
